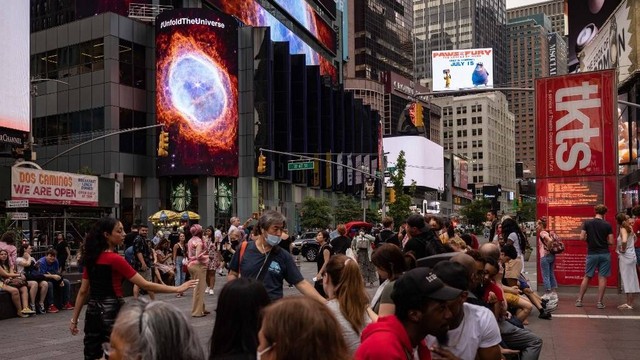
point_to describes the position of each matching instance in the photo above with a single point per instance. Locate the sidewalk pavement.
(573, 333)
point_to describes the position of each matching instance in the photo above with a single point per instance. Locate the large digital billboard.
(577, 160)
(253, 14)
(14, 71)
(462, 69)
(197, 91)
(427, 171)
(311, 21)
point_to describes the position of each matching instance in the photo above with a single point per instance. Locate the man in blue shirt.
(50, 268)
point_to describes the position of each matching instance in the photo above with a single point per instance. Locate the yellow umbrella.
(163, 215)
(188, 215)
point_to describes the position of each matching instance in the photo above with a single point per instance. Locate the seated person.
(163, 264)
(37, 284)
(49, 267)
(14, 284)
(512, 279)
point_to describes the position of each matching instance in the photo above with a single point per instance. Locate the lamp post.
(365, 169)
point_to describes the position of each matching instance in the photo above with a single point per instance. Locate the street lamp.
(365, 170)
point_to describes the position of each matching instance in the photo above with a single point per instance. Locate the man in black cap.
(423, 241)
(421, 309)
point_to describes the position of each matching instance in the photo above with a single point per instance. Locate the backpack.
(362, 242)
(129, 256)
(555, 246)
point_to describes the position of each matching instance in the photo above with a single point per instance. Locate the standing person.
(636, 231)
(390, 263)
(599, 236)
(264, 260)
(179, 253)
(547, 264)
(361, 246)
(235, 222)
(322, 259)
(238, 315)
(492, 218)
(143, 259)
(8, 243)
(317, 333)
(341, 243)
(104, 270)
(348, 299)
(627, 259)
(387, 235)
(64, 253)
(421, 309)
(423, 241)
(131, 237)
(512, 234)
(214, 259)
(198, 262)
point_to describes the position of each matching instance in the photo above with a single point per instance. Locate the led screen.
(462, 69)
(310, 20)
(427, 171)
(14, 68)
(251, 13)
(197, 91)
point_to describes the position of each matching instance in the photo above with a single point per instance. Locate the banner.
(53, 187)
(462, 69)
(576, 162)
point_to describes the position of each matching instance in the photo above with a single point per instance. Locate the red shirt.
(387, 339)
(494, 288)
(105, 279)
(636, 231)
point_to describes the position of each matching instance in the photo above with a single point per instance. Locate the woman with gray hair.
(153, 331)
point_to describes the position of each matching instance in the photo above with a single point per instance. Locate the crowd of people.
(440, 293)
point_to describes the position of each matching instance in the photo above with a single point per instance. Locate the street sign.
(303, 165)
(19, 216)
(14, 204)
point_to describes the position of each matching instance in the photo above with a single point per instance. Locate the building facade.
(481, 129)
(553, 9)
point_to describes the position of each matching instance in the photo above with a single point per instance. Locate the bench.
(7, 310)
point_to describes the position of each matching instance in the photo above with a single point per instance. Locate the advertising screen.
(576, 161)
(427, 171)
(462, 69)
(14, 69)
(197, 91)
(310, 20)
(251, 13)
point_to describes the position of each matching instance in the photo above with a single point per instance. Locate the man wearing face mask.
(265, 261)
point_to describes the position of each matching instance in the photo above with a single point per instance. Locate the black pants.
(99, 319)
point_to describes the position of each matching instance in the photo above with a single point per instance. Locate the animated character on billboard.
(480, 75)
(447, 78)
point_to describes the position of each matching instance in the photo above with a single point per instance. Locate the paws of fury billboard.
(462, 69)
(197, 91)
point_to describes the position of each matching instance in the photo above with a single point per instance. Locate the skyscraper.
(553, 9)
(459, 24)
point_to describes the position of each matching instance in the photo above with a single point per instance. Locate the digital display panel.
(14, 72)
(311, 21)
(462, 69)
(576, 162)
(197, 91)
(253, 14)
(329, 6)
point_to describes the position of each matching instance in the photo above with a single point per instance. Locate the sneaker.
(554, 296)
(578, 303)
(600, 305)
(544, 315)
(210, 291)
(544, 303)
(28, 311)
(206, 291)
(546, 296)
(20, 314)
(67, 306)
(40, 309)
(52, 309)
(625, 307)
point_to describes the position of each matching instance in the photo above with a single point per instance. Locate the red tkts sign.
(576, 161)
(575, 125)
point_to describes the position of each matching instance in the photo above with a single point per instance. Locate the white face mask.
(260, 353)
(273, 240)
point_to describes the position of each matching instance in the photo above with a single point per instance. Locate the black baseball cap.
(423, 283)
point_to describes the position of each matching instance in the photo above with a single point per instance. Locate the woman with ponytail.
(348, 300)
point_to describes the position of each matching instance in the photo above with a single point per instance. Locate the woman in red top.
(104, 270)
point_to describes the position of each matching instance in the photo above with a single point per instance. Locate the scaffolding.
(146, 12)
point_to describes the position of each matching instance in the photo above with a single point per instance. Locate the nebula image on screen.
(253, 14)
(197, 92)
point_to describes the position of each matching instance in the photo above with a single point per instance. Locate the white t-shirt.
(478, 330)
(351, 338)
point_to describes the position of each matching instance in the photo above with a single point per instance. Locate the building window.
(132, 64)
(133, 142)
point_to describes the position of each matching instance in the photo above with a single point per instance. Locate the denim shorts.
(602, 262)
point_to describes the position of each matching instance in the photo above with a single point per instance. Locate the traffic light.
(392, 195)
(418, 119)
(262, 164)
(163, 144)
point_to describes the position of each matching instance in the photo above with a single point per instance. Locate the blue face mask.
(273, 240)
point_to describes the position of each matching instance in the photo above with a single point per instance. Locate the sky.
(516, 3)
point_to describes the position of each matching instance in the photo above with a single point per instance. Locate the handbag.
(16, 282)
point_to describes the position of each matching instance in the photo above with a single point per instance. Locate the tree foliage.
(476, 211)
(527, 211)
(399, 210)
(347, 209)
(316, 213)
